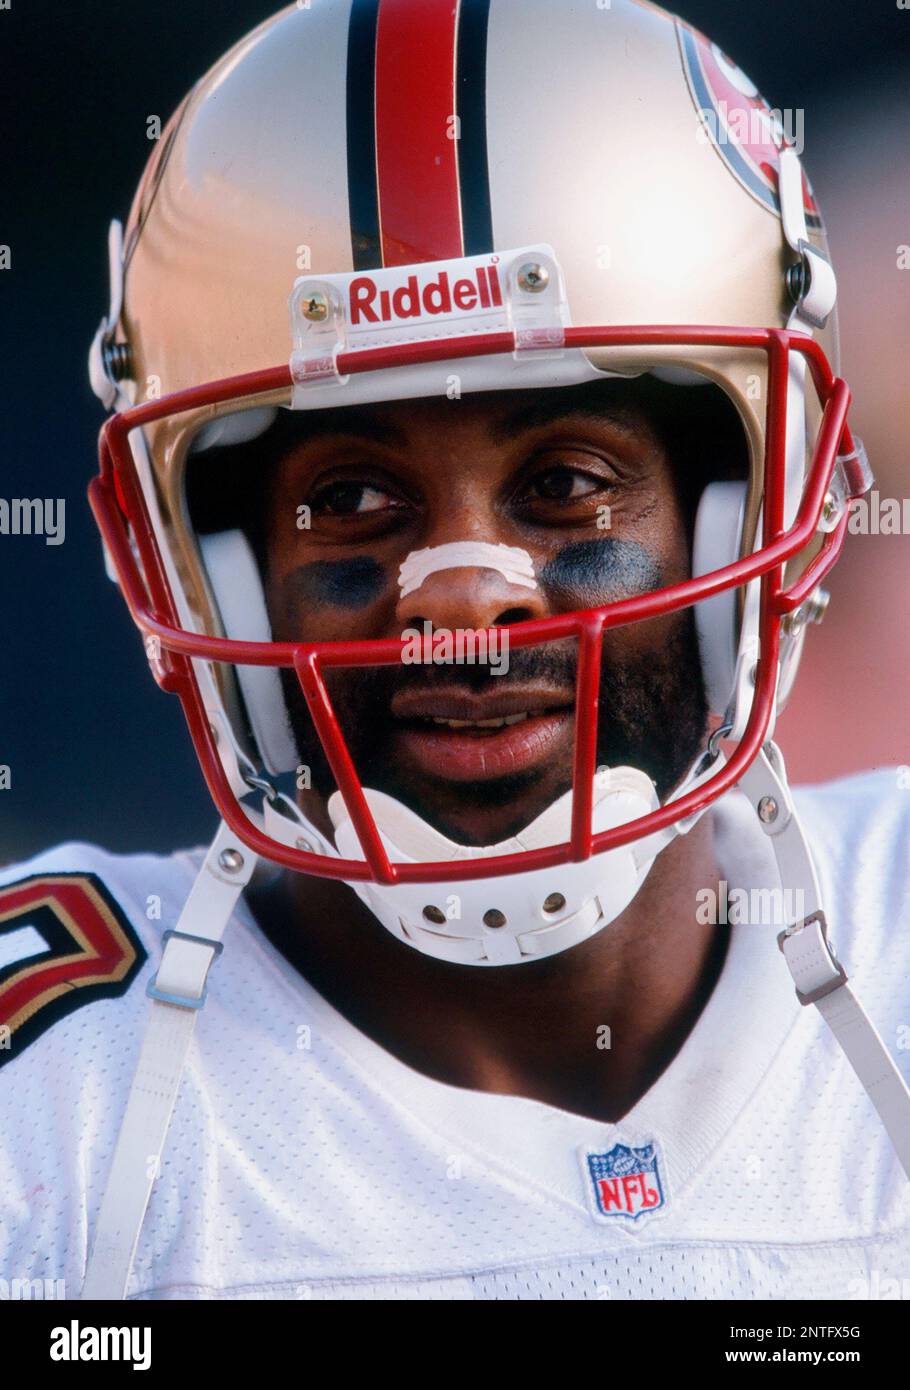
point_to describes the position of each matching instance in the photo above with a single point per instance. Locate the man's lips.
(455, 702)
(462, 737)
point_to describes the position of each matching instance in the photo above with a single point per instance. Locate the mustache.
(527, 666)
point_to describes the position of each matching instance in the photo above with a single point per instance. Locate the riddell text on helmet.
(370, 304)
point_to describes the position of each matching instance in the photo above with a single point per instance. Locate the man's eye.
(352, 499)
(562, 485)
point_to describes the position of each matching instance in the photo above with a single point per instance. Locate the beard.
(653, 716)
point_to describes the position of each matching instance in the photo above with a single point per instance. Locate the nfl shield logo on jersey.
(626, 1181)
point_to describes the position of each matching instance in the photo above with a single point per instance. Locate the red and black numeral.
(92, 952)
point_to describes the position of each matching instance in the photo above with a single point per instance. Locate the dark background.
(96, 751)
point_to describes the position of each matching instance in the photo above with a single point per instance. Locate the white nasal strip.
(514, 564)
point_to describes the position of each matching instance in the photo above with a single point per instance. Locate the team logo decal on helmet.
(745, 131)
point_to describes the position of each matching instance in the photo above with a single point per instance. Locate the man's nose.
(470, 596)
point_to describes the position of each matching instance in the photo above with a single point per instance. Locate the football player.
(477, 455)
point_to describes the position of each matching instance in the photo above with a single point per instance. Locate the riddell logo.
(370, 304)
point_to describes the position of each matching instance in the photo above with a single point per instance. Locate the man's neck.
(588, 1031)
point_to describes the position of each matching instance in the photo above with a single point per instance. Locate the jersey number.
(90, 951)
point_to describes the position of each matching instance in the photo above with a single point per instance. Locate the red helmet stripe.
(417, 160)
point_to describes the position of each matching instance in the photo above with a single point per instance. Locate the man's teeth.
(481, 723)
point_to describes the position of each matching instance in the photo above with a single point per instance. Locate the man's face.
(585, 485)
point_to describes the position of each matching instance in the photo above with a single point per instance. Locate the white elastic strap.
(873, 1064)
(765, 782)
(514, 564)
(821, 980)
(819, 977)
(177, 993)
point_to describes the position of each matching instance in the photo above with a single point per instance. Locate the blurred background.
(96, 751)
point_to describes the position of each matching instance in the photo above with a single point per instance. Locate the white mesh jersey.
(305, 1161)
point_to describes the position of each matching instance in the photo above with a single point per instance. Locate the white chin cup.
(513, 917)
